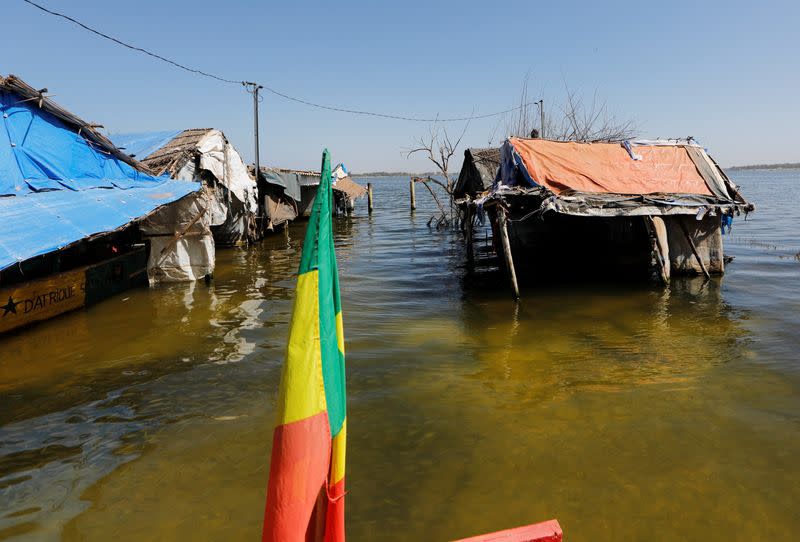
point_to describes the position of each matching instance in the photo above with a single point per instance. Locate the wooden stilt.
(413, 198)
(369, 197)
(694, 248)
(468, 232)
(660, 246)
(512, 274)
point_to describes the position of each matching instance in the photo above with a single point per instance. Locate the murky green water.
(626, 411)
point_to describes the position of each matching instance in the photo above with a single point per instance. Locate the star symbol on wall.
(11, 306)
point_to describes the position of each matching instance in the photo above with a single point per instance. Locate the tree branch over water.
(439, 148)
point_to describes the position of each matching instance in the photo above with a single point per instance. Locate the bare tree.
(590, 122)
(439, 148)
(574, 120)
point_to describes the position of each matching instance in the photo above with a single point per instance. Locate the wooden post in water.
(512, 274)
(694, 248)
(413, 199)
(660, 247)
(468, 226)
(369, 197)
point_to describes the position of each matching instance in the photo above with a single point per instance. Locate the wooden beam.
(694, 247)
(660, 247)
(468, 232)
(512, 274)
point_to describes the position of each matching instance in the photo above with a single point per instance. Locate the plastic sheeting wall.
(181, 243)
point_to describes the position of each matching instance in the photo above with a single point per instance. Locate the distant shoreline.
(787, 165)
(399, 174)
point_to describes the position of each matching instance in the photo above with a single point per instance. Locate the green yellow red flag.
(305, 494)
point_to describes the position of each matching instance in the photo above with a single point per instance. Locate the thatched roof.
(174, 154)
(352, 189)
(88, 131)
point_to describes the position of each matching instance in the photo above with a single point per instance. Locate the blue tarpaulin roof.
(40, 223)
(142, 144)
(57, 188)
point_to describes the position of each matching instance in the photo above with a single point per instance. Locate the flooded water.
(628, 412)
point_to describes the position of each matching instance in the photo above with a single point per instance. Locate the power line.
(272, 90)
(387, 116)
(129, 46)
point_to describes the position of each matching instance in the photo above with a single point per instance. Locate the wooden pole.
(512, 274)
(413, 199)
(694, 248)
(369, 197)
(468, 225)
(660, 247)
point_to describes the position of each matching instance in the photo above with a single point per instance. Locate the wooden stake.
(413, 199)
(468, 226)
(512, 274)
(694, 248)
(369, 197)
(660, 246)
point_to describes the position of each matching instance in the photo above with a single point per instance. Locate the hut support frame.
(694, 250)
(468, 231)
(512, 274)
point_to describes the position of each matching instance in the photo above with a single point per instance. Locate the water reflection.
(80, 393)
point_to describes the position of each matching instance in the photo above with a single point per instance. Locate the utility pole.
(541, 118)
(253, 89)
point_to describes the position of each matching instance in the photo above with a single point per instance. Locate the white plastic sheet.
(181, 243)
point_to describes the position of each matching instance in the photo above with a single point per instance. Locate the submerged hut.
(627, 208)
(290, 193)
(345, 191)
(74, 211)
(204, 155)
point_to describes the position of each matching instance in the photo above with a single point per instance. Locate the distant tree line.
(396, 174)
(786, 165)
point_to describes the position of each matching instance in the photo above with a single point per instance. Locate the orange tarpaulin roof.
(608, 168)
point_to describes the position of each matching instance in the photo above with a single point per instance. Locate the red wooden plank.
(548, 531)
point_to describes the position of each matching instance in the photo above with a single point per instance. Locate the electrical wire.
(388, 116)
(271, 90)
(129, 46)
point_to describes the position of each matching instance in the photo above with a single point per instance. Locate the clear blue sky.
(726, 72)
